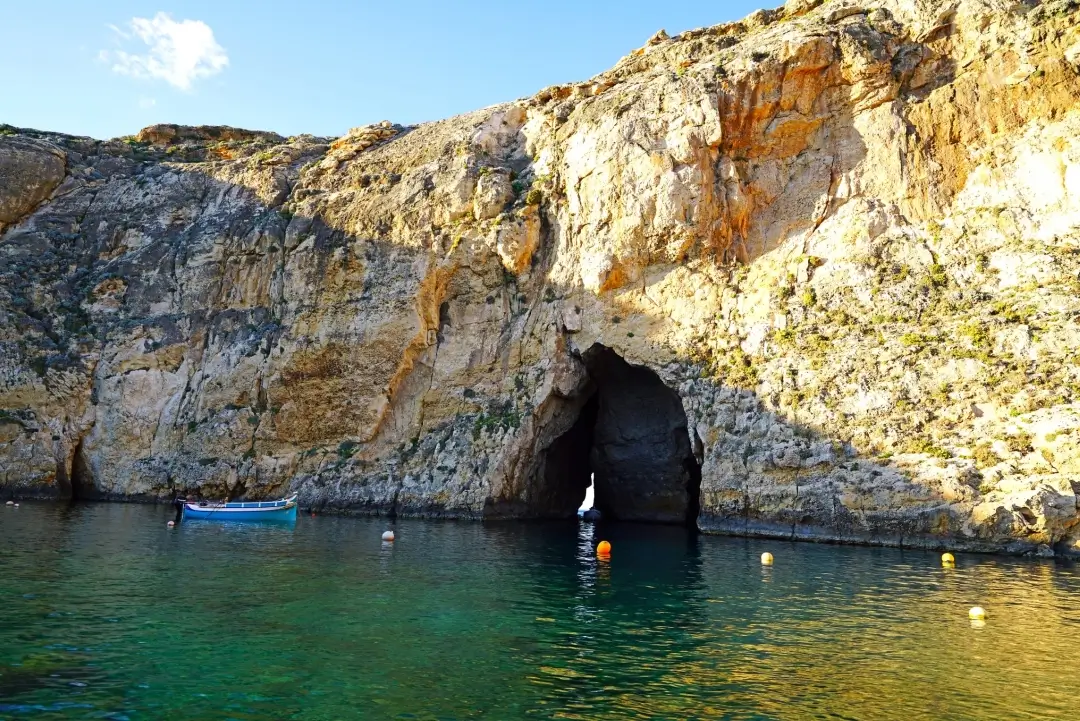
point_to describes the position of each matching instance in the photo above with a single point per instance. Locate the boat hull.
(280, 511)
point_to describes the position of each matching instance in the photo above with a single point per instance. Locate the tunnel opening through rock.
(631, 441)
(79, 482)
(567, 474)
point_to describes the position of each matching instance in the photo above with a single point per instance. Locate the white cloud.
(178, 52)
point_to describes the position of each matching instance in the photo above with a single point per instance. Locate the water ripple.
(107, 614)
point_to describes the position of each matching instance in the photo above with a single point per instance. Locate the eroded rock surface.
(29, 172)
(847, 236)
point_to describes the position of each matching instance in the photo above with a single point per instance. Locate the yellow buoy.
(603, 548)
(977, 613)
(388, 536)
(947, 559)
(766, 559)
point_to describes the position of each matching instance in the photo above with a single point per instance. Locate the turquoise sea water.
(107, 614)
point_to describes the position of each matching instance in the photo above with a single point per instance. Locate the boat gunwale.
(283, 504)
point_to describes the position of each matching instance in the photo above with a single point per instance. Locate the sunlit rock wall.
(848, 236)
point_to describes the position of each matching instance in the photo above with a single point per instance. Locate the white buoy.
(766, 559)
(16, 505)
(170, 524)
(388, 536)
(977, 613)
(11, 503)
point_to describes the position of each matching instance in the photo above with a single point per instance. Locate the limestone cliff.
(814, 274)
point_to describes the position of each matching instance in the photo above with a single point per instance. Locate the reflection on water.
(107, 614)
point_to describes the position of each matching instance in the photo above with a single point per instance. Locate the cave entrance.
(631, 443)
(75, 485)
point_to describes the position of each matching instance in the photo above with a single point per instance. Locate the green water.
(106, 614)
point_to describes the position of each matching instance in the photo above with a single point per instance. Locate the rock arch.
(631, 434)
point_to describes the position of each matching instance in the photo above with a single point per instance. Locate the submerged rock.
(847, 241)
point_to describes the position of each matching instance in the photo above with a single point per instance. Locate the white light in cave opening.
(587, 503)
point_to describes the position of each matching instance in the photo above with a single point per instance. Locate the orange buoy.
(388, 536)
(603, 548)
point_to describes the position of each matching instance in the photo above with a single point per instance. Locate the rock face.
(845, 238)
(29, 172)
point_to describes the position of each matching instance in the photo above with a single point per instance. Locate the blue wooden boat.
(281, 510)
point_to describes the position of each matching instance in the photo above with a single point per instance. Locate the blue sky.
(109, 67)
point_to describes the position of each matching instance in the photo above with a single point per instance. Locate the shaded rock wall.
(848, 237)
(641, 456)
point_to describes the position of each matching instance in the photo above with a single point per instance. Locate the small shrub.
(840, 317)
(922, 445)
(506, 418)
(937, 275)
(984, 456)
(976, 333)
(808, 297)
(346, 449)
(39, 366)
(1020, 442)
(534, 197)
(784, 335)
(1007, 313)
(817, 343)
